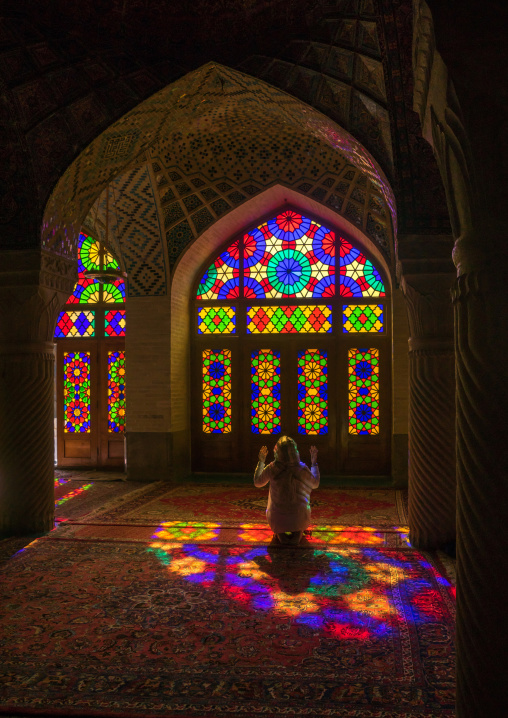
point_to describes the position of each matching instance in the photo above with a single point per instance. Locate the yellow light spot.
(187, 566)
(294, 605)
(366, 601)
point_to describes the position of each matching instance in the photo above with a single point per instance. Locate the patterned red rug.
(124, 629)
(231, 505)
(75, 499)
(213, 533)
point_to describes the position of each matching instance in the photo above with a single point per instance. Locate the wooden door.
(340, 451)
(88, 433)
(288, 350)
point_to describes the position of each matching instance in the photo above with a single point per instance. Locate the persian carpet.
(200, 630)
(76, 499)
(233, 504)
(214, 533)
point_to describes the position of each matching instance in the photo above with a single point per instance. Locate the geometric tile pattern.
(134, 231)
(215, 137)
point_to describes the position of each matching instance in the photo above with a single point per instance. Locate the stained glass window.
(75, 324)
(110, 262)
(289, 256)
(363, 391)
(289, 320)
(312, 392)
(292, 259)
(221, 279)
(88, 253)
(216, 320)
(77, 392)
(265, 392)
(358, 276)
(86, 291)
(113, 291)
(116, 391)
(114, 323)
(91, 257)
(217, 391)
(362, 318)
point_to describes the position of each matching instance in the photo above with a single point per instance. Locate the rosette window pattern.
(285, 299)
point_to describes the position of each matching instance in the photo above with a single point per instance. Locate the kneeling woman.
(291, 481)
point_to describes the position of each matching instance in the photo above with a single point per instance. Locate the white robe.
(287, 510)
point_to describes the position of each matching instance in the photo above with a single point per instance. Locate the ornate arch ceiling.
(126, 218)
(65, 78)
(225, 138)
(355, 66)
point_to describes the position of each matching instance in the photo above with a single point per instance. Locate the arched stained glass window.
(90, 335)
(287, 303)
(290, 256)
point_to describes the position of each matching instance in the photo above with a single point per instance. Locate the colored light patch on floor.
(356, 585)
(61, 482)
(72, 494)
(187, 531)
(242, 630)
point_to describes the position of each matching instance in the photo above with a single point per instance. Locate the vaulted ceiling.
(68, 70)
(212, 141)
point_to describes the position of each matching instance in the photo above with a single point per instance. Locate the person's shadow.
(291, 566)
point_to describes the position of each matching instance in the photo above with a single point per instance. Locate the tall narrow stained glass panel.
(363, 391)
(312, 392)
(216, 391)
(222, 278)
(77, 392)
(265, 392)
(289, 320)
(114, 323)
(116, 391)
(289, 256)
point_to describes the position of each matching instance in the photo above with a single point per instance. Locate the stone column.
(33, 287)
(481, 320)
(432, 470)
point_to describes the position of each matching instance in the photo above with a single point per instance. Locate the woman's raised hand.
(313, 454)
(263, 453)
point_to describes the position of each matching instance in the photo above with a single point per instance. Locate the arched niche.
(189, 270)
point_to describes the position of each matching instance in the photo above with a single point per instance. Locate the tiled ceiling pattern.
(217, 137)
(340, 72)
(191, 203)
(134, 230)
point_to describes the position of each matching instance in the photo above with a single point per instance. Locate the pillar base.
(21, 526)
(158, 456)
(400, 461)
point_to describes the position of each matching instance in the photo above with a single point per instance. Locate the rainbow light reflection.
(186, 531)
(60, 482)
(72, 494)
(349, 592)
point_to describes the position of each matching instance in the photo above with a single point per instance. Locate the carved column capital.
(34, 285)
(424, 47)
(430, 312)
